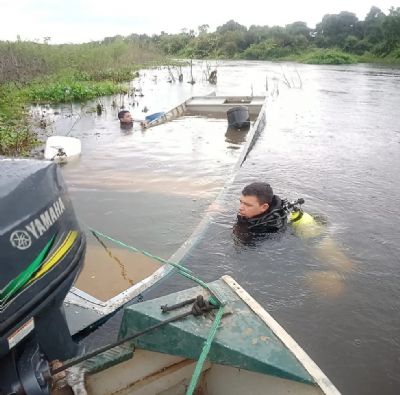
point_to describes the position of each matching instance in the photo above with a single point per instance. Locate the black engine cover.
(41, 252)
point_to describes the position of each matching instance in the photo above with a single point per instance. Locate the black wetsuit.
(274, 220)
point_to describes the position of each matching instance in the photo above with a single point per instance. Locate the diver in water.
(261, 213)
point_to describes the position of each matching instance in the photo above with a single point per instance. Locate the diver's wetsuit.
(274, 220)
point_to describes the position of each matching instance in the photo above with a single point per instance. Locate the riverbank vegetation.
(15, 135)
(32, 72)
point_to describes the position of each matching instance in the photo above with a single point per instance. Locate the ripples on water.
(336, 143)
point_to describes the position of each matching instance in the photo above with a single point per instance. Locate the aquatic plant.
(328, 56)
(59, 92)
(16, 140)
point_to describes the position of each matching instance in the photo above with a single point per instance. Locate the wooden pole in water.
(192, 81)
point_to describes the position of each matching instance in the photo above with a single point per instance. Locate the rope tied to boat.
(182, 270)
(199, 306)
(204, 352)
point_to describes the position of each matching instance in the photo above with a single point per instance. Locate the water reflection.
(126, 128)
(236, 136)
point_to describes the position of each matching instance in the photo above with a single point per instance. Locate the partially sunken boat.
(213, 106)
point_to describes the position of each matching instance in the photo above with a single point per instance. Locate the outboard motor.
(41, 253)
(238, 117)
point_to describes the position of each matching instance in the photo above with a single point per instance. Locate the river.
(333, 138)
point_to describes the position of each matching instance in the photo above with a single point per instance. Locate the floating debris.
(99, 108)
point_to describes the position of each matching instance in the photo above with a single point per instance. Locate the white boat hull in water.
(62, 148)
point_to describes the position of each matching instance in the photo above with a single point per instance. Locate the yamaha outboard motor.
(41, 253)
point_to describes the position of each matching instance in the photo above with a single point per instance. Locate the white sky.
(85, 20)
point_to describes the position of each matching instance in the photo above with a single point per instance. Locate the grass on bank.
(337, 56)
(391, 59)
(70, 90)
(328, 56)
(16, 138)
(322, 56)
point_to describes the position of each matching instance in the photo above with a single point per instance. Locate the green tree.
(299, 28)
(203, 46)
(266, 50)
(334, 28)
(373, 25)
(231, 26)
(354, 45)
(391, 29)
(257, 34)
(173, 44)
(203, 29)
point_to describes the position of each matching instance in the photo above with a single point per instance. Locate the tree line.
(378, 35)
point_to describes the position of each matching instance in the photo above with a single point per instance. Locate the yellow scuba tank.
(305, 225)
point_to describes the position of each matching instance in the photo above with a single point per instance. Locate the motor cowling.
(41, 253)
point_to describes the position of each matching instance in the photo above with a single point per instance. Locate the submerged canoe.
(211, 106)
(251, 352)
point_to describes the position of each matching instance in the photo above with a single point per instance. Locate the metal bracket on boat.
(165, 308)
(199, 306)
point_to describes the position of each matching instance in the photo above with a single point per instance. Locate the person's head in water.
(125, 117)
(256, 199)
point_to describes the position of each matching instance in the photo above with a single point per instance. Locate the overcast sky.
(86, 20)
